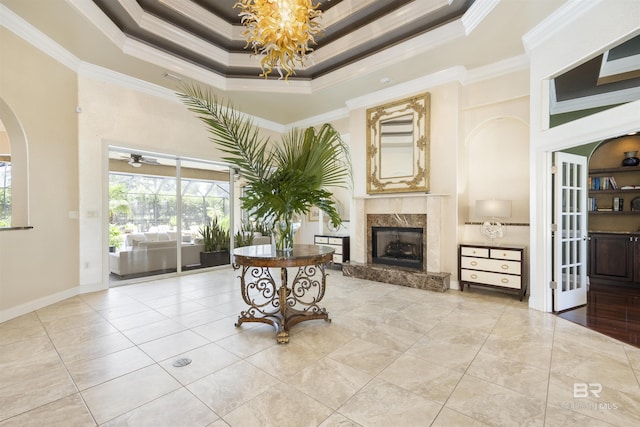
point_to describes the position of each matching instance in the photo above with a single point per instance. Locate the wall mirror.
(398, 146)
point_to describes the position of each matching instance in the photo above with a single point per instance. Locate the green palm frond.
(235, 134)
(283, 178)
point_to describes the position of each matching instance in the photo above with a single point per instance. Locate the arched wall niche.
(497, 153)
(20, 166)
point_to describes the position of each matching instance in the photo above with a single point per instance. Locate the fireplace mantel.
(400, 195)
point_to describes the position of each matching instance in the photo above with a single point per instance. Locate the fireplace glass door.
(399, 246)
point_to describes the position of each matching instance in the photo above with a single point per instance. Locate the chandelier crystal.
(281, 31)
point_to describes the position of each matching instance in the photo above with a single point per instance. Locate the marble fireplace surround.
(413, 210)
(396, 220)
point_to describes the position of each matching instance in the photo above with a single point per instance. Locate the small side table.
(283, 304)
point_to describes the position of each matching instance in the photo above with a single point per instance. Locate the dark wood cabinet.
(614, 259)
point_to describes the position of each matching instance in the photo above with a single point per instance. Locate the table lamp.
(493, 209)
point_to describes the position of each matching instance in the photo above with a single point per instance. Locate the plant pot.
(212, 259)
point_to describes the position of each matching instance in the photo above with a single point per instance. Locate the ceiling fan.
(137, 160)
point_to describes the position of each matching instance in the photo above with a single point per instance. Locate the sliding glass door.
(158, 208)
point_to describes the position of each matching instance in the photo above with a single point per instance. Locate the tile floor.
(391, 356)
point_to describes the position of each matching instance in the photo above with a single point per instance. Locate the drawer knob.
(504, 266)
(504, 280)
(474, 276)
(474, 263)
(504, 254)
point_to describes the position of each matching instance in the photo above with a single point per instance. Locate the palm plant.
(284, 179)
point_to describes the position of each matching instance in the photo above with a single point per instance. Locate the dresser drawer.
(470, 251)
(338, 249)
(487, 264)
(506, 254)
(321, 239)
(337, 258)
(488, 278)
(335, 241)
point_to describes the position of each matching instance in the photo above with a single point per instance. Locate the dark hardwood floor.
(610, 310)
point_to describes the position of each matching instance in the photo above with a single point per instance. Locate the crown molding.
(408, 88)
(569, 12)
(391, 56)
(204, 18)
(102, 74)
(331, 116)
(476, 14)
(421, 44)
(34, 37)
(497, 69)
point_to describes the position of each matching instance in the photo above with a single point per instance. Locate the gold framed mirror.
(398, 146)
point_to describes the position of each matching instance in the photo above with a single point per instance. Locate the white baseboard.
(13, 312)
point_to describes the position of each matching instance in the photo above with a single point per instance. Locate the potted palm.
(114, 237)
(284, 179)
(216, 241)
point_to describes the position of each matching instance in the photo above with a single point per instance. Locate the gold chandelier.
(280, 30)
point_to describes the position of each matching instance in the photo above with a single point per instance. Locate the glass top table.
(282, 304)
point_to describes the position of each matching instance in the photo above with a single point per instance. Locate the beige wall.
(479, 149)
(40, 265)
(495, 153)
(114, 114)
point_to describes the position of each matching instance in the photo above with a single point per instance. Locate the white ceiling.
(490, 31)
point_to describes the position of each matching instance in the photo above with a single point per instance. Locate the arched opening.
(14, 170)
(5, 178)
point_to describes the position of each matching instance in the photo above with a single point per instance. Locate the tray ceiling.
(370, 49)
(208, 33)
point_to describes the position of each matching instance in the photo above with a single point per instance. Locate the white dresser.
(339, 243)
(500, 267)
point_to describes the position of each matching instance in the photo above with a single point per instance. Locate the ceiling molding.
(410, 48)
(569, 12)
(36, 38)
(98, 73)
(331, 116)
(408, 88)
(476, 14)
(204, 18)
(497, 69)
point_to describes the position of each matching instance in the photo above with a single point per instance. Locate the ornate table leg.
(259, 291)
(307, 290)
(283, 335)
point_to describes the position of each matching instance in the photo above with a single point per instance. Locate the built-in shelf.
(614, 170)
(614, 212)
(617, 191)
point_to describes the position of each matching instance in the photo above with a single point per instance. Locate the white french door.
(570, 231)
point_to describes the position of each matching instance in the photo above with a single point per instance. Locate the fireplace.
(394, 215)
(398, 246)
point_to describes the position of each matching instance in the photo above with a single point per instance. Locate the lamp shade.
(493, 208)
